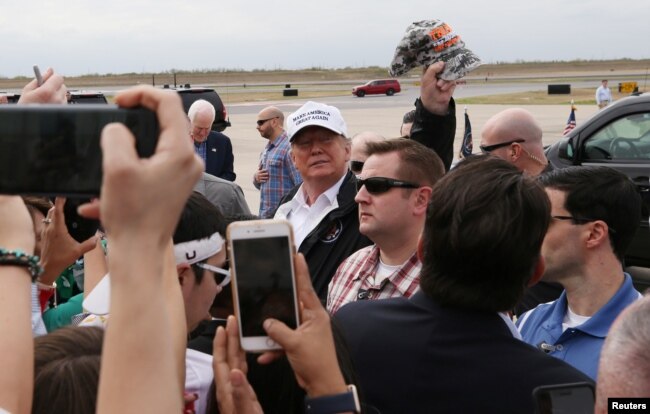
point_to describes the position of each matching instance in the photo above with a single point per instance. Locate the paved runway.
(383, 114)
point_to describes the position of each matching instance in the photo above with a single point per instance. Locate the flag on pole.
(467, 147)
(571, 122)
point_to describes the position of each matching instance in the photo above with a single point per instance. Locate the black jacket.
(415, 356)
(436, 132)
(334, 239)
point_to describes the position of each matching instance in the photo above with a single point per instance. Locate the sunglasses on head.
(490, 148)
(379, 185)
(263, 121)
(221, 276)
(356, 166)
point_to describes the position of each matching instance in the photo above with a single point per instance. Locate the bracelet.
(20, 258)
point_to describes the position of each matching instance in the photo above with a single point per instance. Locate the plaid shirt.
(351, 281)
(283, 175)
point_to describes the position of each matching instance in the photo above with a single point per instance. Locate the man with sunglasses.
(276, 174)
(322, 210)
(394, 190)
(358, 151)
(514, 136)
(451, 347)
(595, 212)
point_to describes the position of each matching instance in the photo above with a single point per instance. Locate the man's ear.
(422, 198)
(182, 270)
(598, 234)
(540, 267)
(514, 152)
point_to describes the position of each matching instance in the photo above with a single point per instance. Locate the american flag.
(467, 147)
(571, 122)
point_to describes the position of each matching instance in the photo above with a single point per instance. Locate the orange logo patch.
(443, 37)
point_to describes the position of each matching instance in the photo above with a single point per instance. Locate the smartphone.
(51, 150)
(80, 228)
(263, 279)
(574, 398)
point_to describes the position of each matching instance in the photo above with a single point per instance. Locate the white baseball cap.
(316, 114)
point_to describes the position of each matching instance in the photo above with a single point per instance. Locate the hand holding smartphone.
(263, 279)
(53, 150)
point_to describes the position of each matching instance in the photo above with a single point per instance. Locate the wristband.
(331, 404)
(20, 258)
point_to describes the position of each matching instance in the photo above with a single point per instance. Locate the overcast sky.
(116, 36)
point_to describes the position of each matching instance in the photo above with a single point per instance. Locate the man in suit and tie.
(213, 147)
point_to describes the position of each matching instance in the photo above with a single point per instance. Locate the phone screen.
(264, 282)
(569, 399)
(55, 149)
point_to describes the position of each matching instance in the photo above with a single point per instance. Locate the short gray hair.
(201, 106)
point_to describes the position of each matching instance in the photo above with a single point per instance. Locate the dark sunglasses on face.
(379, 185)
(489, 148)
(356, 166)
(221, 276)
(263, 121)
(580, 220)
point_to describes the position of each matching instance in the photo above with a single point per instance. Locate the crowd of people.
(423, 288)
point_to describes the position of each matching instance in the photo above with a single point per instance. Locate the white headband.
(195, 251)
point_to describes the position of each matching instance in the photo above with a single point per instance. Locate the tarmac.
(383, 115)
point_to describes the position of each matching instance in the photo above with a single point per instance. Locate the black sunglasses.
(379, 185)
(262, 121)
(578, 220)
(356, 166)
(490, 148)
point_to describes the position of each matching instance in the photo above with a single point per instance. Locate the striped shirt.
(354, 279)
(283, 175)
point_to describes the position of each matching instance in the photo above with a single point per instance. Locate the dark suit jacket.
(219, 159)
(414, 356)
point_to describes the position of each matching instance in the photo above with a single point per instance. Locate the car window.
(622, 139)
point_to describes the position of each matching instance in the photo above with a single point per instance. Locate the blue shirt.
(283, 175)
(200, 149)
(579, 346)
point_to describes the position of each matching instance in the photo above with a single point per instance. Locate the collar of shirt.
(304, 217)
(370, 267)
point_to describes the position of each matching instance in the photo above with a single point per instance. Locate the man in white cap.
(322, 210)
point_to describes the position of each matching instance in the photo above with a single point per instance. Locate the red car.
(380, 86)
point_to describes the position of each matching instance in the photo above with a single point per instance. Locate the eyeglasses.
(263, 121)
(489, 148)
(578, 220)
(356, 166)
(379, 185)
(221, 276)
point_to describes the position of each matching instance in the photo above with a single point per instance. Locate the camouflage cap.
(430, 41)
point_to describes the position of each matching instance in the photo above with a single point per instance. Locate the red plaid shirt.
(353, 277)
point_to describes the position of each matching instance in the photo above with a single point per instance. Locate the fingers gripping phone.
(263, 279)
(54, 150)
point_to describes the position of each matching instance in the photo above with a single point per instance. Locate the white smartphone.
(263, 279)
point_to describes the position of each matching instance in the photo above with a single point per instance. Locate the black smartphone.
(54, 150)
(263, 282)
(574, 398)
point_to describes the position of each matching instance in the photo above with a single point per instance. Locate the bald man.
(276, 174)
(358, 150)
(624, 369)
(515, 136)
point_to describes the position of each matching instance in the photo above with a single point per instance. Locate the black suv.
(74, 97)
(617, 137)
(189, 95)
